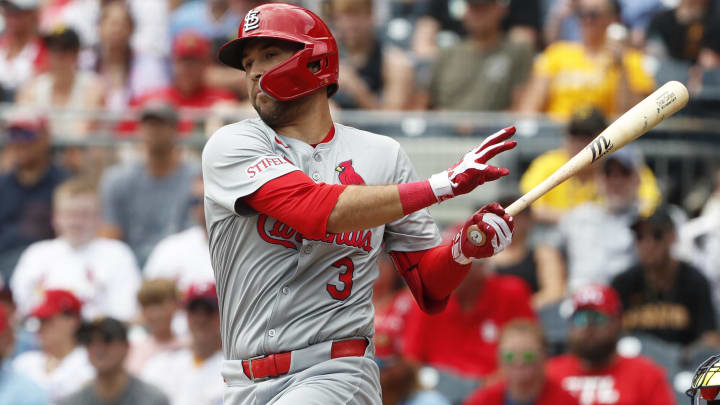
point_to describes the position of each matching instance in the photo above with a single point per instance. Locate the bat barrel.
(662, 103)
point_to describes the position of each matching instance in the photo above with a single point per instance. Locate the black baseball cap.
(659, 219)
(110, 329)
(586, 122)
(159, 110)
(62, 39)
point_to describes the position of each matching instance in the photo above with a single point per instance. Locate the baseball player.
(298, 208)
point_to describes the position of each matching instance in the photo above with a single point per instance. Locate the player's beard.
(277, 114)
(596, 353)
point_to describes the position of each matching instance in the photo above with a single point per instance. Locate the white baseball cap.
(21, 4)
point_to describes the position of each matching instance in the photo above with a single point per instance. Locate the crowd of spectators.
(107, 291)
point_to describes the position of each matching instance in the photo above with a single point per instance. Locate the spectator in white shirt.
(101, 272)
(196, 378)
(159, 304)
(185, 256)
(61, 366)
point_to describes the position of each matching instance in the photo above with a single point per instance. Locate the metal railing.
(682, 151)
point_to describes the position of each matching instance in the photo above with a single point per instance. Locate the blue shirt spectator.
(17, 389)
(143, 202)
(25, 206)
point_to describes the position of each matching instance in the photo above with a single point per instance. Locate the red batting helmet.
(292, 78)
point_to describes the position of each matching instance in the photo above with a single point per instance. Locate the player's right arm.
(244, 171)
(314, 209)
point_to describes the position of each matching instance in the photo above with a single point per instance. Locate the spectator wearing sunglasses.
(595, 238)
(27, 188)
(184, 257)
(522, 353)
(107, 345)
(601, 70)
(661, 295)
(593, 371)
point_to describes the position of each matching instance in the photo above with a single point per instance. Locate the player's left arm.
(433, 274)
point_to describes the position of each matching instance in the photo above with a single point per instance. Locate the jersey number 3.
(346, 277)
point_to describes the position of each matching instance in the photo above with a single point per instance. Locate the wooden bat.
(662, 103)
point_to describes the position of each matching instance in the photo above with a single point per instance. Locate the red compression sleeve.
(431, 275)
(294, 199)
(416, 196)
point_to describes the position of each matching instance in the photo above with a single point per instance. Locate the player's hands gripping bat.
(472, 170)
(492, 223)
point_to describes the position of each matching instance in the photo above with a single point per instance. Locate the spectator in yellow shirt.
(585, 125)
(601, 70)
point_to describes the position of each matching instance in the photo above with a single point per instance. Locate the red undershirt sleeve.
(294, 199)
(431, 275)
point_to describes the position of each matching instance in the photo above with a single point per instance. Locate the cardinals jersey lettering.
(279, 291)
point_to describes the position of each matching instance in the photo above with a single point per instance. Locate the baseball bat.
(645, 115)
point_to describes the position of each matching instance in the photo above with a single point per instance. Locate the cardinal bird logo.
(347, 173)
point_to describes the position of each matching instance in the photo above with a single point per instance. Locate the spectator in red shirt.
(594, 372)
(190, 61)
(392, 302)
(22, 51)
(522, 353)
(462, 340)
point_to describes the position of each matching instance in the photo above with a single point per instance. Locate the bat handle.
(476, 236)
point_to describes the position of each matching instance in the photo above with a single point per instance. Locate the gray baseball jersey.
(279, 291)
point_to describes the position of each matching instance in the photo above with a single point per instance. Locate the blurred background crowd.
(607, 295)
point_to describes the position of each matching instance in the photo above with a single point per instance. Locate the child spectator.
(159, 302)
(101, 272)
(196, 379)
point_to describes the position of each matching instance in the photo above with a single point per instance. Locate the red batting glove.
(472, 170)
(497, 227)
